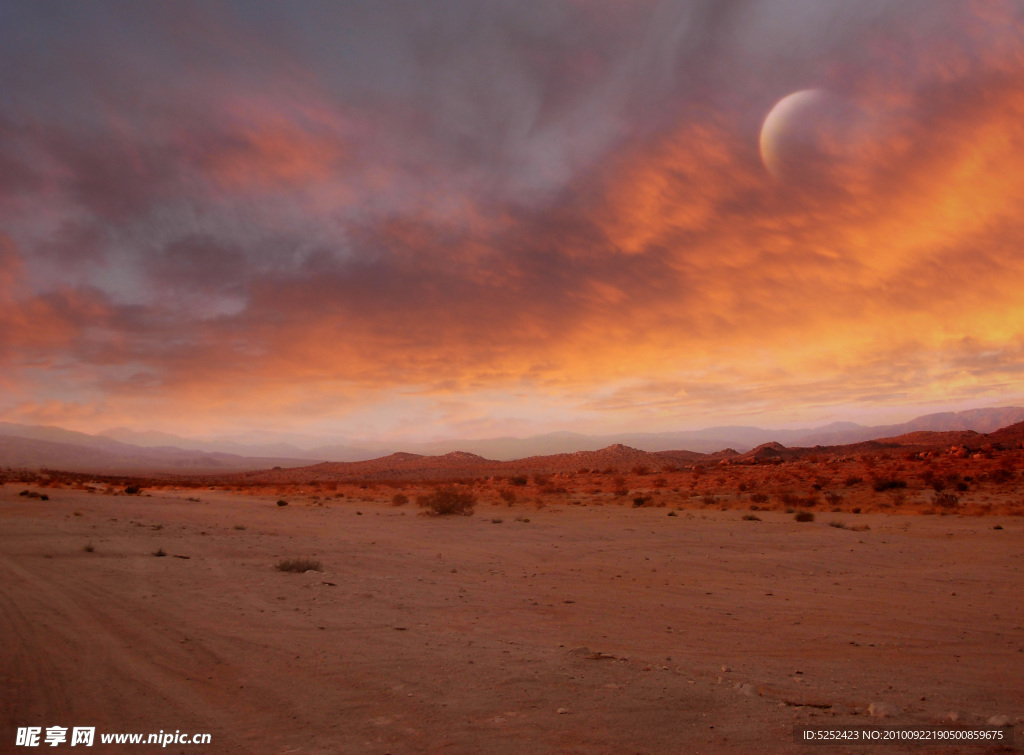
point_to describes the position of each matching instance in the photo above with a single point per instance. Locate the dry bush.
(887, 483)
(448, 501)
(759, 497)
(399, 499)
(853, 480)
(804, 516)
(282, 502)
(833, 498)
(946, 500)
(751, 518)
(299, 565)
(508, 496)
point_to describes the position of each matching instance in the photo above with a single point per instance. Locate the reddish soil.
(577, 624)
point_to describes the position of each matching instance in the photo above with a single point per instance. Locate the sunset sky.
(466, 219)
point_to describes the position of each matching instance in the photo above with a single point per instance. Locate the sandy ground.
(585, 629)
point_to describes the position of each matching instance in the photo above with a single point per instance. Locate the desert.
(512, 376)
(624, 609)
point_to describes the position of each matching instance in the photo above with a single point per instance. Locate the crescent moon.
(779, 122)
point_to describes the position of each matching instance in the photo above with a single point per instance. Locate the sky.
(399, 219)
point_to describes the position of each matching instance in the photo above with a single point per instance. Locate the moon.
(788, 130)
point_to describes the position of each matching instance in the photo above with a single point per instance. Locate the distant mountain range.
(126, 451)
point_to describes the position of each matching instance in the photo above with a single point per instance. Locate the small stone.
(726, 669)
(952, 716)
(562, 711)
(582, 650)
(746, 689)
(999, 721)
(883, 710)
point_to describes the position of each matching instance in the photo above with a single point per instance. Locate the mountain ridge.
(109, 454)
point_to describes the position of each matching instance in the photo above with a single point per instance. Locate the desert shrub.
(159, 553)
(132, 490)
(759, 497)
(640, 501)
(751, 518)
(887, 483)
(620, 486)
(399, 499)
(853, 480)
(518, 480)
(961, 486)
(448, 501)
(508, 496)
(552, 489)
(804, 516)
(299, 565)
(89, 548)
(838, 525)
(641, 469)
(659, 482)
(541, 480)
(709, 500)
(946, 500)
(282, 502)
(833, 497)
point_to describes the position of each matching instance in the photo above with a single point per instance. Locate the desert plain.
(610, 601)
(586, 612)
